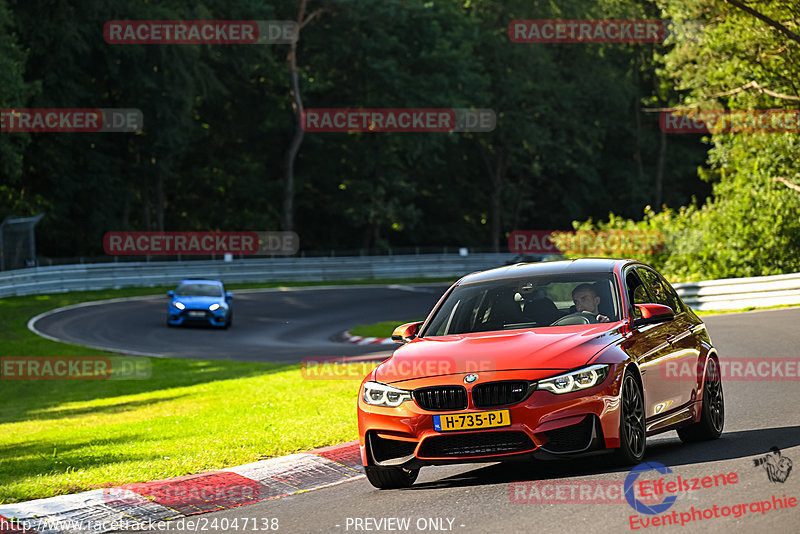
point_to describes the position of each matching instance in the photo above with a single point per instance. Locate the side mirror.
(406, 332)
(228, 296)
(653, 313)
(170, 294)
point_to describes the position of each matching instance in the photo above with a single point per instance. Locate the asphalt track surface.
(280, 325)
(480, 497)
(477, 497)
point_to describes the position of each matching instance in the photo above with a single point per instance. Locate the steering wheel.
(576, 318)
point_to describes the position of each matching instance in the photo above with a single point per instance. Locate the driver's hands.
(602, 319)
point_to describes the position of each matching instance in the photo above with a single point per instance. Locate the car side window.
(672, 296)
(661, 291)
(636, 291)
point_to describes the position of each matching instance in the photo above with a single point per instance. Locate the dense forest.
(577, 138)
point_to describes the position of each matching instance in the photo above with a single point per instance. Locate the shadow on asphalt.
(670, 452)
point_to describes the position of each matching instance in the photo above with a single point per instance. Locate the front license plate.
(470, 421)
(197, 314)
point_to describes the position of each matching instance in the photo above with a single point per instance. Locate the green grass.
(191, 416)
(742, 310)
(382, 329)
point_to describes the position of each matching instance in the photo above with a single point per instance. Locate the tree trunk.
(662, 154)
(145, 195)
(519, 195)
(497, 217)
(497, 179)
(637, 153)
(160, 201)
(297, 108)
(287, 222)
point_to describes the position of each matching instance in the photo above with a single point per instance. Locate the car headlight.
(575, 380)
(213, 307)
(379, 394)
(179, 305)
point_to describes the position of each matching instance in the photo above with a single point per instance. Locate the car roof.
(545, 268)
(201, 281)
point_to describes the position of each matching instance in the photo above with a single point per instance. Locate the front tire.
(632, 432)
(712, 413)
(391, 477)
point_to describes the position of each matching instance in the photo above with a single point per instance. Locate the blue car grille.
(195, 314)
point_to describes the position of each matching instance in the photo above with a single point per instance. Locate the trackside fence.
(725, 294)
(738, 293)
(58, 279)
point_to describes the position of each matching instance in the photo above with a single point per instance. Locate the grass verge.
(191, 416)
(742, 310)
(382, 329)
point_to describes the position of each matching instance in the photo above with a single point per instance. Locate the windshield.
(199, 290)
(531, 302)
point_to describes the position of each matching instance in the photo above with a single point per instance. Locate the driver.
(586, 299)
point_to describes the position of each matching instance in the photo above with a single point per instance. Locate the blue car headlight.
(214, 307)
(179, 305)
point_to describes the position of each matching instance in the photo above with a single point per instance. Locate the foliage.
(751, 225)
(571, 142)
(14, 93)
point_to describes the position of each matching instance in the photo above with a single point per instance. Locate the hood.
(558, 349)
(198, 302)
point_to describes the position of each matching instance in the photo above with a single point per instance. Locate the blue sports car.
(200, 301)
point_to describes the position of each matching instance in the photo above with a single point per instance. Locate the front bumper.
(197, 316)
(543, 424)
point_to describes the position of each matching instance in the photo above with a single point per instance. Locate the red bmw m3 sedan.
(552, 359)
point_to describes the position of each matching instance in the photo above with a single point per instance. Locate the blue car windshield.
(199, 290)
(532, 302)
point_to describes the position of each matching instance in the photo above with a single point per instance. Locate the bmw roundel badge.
(469, 379)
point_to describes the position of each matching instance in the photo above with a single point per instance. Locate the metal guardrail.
(738, 293)
(726, 294)
(59, 279)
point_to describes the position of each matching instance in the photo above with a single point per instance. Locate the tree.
(14, 93)
(737, 59)
(303, 20)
